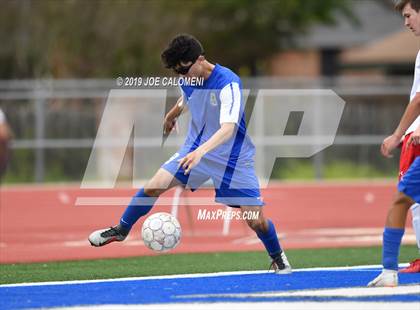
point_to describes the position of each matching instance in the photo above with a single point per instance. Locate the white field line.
(336, 292)
(258, 305)
(163, 201)
(372, 183)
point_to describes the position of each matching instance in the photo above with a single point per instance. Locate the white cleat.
(387, 278)
(104, 236)
(281, 264)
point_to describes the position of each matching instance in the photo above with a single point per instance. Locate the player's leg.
(145, 198)
(414, 266)
(239, 186)
(393, 233)
(408, 194)
(266, 232)
(415, 212)
(139, 206)
(410, 185)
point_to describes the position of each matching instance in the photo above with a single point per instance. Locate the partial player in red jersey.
(409, 184)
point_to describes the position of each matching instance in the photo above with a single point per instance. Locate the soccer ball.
(161, 232)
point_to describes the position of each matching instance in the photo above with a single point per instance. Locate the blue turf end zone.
(194, 289)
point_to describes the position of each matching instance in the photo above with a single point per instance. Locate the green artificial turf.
(190, 263)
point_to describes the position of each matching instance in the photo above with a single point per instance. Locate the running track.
(43, 223)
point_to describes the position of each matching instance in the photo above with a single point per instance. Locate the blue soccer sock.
(270, 240)
(391, 247)
(140, 205)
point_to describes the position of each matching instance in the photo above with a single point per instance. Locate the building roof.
(398, 47)
(375, 20)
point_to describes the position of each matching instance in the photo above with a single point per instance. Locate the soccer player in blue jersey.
(217, 147)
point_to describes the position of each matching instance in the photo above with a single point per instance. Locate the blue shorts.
(234, 186)
(410, 182)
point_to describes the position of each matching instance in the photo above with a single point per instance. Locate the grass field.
(190, 263)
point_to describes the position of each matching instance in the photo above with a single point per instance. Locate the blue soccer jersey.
(217, 101)
(410, 182)
(230, 165)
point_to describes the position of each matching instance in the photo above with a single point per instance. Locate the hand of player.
(415, 137)
(389, 144)
(168, 125)
(190, 160)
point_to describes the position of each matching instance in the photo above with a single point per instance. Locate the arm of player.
(230, 109)
(219, 137)
(411, 113)
(415, 137)
(5, 138)
(171, 117)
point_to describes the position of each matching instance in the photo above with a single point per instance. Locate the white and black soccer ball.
(161, 232)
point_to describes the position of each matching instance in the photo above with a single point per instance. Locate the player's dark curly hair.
(183, 47)
(400, 5)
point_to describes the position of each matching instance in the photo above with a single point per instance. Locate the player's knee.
(397, 213)
(158, 184)
(153, 192)
(155, 187)
(403, 201)
(256, 225)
